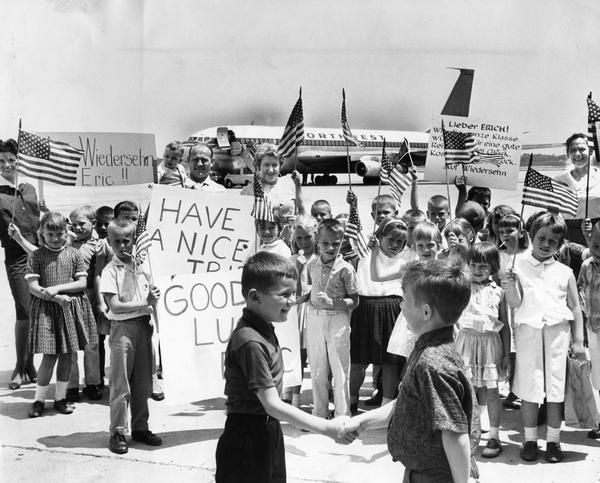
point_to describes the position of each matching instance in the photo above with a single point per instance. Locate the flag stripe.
(59, 167)
(543, 192)
(293, 133)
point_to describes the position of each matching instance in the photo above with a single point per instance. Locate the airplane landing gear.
(325, 179)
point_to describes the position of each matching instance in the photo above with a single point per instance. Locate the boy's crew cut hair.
(331, 226)
(263, 270)
(125, 206)
(442, 284)
(85, 210)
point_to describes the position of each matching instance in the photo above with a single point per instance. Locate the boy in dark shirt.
(433, 424)
(251, 447)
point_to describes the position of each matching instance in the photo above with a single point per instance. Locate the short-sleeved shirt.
(282, 194)
(435, 396)
(27, 214)
(129, 283)
(253, 361)
(589, 285)
(340, 284)
(88, 250)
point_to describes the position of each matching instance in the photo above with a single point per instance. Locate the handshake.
(343, 429)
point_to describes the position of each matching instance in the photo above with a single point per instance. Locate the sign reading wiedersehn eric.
(487, 152)
(111, 159)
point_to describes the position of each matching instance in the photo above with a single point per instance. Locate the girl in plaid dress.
(61, 315)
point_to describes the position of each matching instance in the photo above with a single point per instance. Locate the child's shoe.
(63, 407)
(118, 444)
(157, 396)
(146, 437)
(36, 410)
(529, 451)
(594, 433)
(553, 453)
(492, 449)
(92, 392)
(73, 394)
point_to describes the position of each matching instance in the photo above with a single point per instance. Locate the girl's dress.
(57, 329)
(373, 320)
(478, 339)
(300, 261)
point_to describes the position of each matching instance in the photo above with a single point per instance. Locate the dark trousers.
(432, 475)
(251, 449)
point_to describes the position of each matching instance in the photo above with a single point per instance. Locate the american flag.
(492, 158)
(293, 134)
(593, 118)
(48, 160)
(398, 179)
(542, 191)
(458, 146)
(348, 136)
(354, 231)
(262, 209)
(141, 241)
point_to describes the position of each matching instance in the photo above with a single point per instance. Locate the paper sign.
(195, 231)
(197, 315)
(111, 159)
(493, 160)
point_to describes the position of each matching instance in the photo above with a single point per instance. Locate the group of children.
(86, 285)
(518, 322)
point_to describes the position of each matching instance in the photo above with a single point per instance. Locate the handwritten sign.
(197, 315)
(492, 152)
(195, 232)
(111, 159)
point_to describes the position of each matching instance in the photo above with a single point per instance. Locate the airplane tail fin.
(460, 98)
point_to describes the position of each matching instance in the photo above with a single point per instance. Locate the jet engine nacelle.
(368, 167)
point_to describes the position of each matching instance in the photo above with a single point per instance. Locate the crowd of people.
(446, 308)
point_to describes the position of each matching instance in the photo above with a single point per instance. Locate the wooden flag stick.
(587, 184)
(446, 169)
(12, 216)
(521, 221)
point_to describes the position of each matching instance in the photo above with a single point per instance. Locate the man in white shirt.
(200, 161)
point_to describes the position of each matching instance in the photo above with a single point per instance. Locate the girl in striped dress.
(61, 314)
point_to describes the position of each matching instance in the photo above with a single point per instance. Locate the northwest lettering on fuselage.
(340, 136)
(92, 158)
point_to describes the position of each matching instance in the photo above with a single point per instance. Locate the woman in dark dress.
(26, 219)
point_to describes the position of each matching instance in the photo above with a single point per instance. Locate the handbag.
(582, 402)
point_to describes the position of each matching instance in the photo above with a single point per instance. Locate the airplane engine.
(368, 167)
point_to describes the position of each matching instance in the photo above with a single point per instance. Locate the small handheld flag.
(47, 160)
(543, 192)
(142, 241)
(459, 147)
(293, 133)
(593, 118)
(348, 136)
(398, 179)
(262, 209)
(354, 231)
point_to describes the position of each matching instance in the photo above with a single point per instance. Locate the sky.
(175, 67)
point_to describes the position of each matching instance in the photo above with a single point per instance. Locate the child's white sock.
(40, 392)
(494, 432)
(530, 434)
(484, 418)
(60, 391)
(553, 435)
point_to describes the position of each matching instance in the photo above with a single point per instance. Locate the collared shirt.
(173, 177)
(435, 396)
(129, 283)
(545, 287)
(482, 313)
(207, 185)
(253, 361)
(589, 287)
(336, 278)
(27, 214)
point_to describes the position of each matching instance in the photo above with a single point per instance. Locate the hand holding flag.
(354, 227)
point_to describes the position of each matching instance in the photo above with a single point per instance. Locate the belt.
(251, 417)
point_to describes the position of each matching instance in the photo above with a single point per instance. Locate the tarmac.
(73, 448)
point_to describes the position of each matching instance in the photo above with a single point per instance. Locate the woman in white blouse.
(576, 177)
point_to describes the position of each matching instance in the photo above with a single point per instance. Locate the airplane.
(323, 150)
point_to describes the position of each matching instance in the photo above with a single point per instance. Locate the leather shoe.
(492, 449)
(118, 444)
(157, 396)
(36, 410)
(375, 400)
(529, 451)
(63, 407)
(146, 437)
(73, 394)
(92, 392)
(553, 453)
(594, 434)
